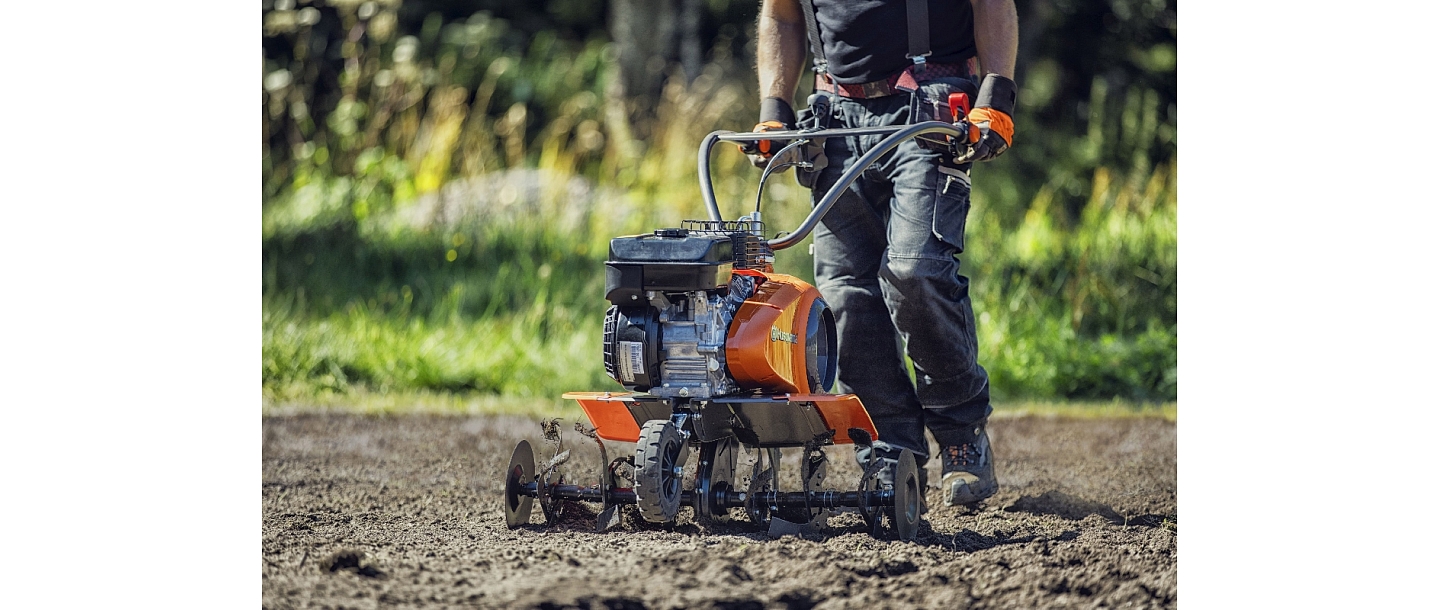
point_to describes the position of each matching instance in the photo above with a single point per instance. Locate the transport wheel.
(905, 515)
(520, 472)
(659, 461)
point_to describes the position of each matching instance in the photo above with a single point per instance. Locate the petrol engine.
(697, 312)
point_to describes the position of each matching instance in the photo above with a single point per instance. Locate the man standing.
(885, 254)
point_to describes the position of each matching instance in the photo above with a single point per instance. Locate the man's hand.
(991, 127)
(775, 115)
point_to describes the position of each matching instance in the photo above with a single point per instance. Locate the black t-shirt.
(867, 40)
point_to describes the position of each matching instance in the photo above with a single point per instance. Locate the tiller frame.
(666, 428)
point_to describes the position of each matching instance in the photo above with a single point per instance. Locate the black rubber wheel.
(905, 515)
(520, 472)
(659, 458)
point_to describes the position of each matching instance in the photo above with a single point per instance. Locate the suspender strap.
(917, 17)
(813, 27)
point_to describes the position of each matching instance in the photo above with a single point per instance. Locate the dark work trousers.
(885, 261)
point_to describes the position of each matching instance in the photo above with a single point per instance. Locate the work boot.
(968, 470)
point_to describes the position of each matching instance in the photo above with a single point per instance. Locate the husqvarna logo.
(780, 335)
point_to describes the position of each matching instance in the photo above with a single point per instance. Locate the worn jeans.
(885, 261)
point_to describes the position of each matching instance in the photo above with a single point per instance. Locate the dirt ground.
(380, 512)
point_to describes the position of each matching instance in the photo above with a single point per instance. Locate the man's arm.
(779, 58)
(780, 52)
(997, 35)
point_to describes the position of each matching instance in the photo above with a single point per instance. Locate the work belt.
(904, 82)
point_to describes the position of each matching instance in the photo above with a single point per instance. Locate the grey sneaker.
(968, 471)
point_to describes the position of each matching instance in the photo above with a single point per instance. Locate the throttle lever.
(959, 106)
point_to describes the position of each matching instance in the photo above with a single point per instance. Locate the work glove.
(991, 126)
(775, 115)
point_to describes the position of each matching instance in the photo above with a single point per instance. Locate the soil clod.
(353, 561)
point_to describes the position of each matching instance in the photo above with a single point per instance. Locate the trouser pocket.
(952, 205)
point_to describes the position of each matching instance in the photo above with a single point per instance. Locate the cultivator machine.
(719, 354)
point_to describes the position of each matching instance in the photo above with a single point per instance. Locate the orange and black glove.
(991, 127)
(775, 115)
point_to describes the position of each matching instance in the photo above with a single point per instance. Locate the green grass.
(412, 402)
(1115, 409)
(524, 356)
(503, 297)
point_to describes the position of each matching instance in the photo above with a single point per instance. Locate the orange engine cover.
(783, 339)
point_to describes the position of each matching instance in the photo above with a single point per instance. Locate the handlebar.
(898, 135)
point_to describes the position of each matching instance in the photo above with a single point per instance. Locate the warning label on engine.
(631, 360)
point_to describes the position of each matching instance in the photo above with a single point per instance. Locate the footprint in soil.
(1074, 508)
(1065, 506)
(353, 561)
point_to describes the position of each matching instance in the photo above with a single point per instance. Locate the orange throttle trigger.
(959, 109)
(959, 106)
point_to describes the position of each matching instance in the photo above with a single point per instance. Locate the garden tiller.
(717, 352)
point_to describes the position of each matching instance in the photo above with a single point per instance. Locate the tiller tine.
(714, 493)
(780, 527)
(609, 518)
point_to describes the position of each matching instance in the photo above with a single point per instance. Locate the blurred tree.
(1098, 80)
(643, 32)
(1098, 77)
(650, 37)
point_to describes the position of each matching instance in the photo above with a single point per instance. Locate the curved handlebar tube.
(707, 192)
(897, 136)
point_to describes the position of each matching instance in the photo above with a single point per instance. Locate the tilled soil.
(369, 512)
